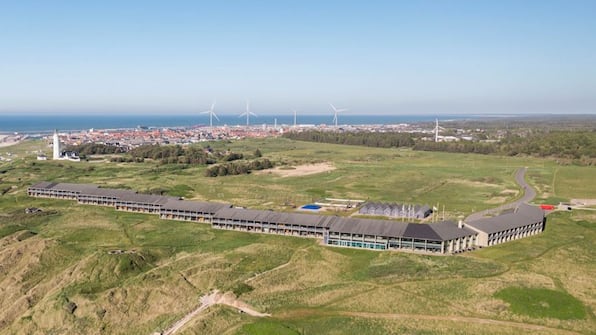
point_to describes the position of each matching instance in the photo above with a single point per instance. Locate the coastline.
(45, 124)
(42, 125)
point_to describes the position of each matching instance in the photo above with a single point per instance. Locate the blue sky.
(373, 57)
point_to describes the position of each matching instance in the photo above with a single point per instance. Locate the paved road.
(529, 194)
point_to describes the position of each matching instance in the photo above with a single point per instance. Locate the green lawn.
(542, 303)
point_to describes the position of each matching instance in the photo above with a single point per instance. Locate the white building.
(56, 142)
(66, 155)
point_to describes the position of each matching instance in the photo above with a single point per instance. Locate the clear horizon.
(378, 58)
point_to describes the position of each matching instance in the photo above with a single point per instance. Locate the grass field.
(542, 303)
(62, 256)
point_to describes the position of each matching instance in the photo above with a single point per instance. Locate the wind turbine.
(248, 113)
(211, 114)
(294, 118)
(335, 111)
(436, 130)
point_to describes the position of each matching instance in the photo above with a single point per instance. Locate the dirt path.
(455, 318)
(229, 299)
(208, 300)
(266, 272)
(275, 268)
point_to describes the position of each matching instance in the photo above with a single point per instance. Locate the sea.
(42, 123)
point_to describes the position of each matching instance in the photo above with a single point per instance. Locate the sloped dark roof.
(534, 213)
(43, 184)
(129, 196)
(108, 193)
(448, 230)
(368, 227)
(81, 188)
(77, 188)
(147, 198)
(522, 216)
(197, 206)
(421, 231)
(274, 217)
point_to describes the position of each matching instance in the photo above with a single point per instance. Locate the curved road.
(529, 194)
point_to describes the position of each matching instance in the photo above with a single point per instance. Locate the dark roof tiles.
(522, 216)
(448, 230)
(421, 231)
(197, 206)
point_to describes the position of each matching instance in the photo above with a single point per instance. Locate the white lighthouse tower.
(56, 145)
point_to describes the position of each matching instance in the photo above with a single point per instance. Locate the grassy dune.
(64, 256)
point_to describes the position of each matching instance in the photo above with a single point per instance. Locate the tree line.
(368, 139)
(238, 167)
(562, 144)
(176, 154)
(95, 149)
(460, 147)
(223, 163)
(578, 147)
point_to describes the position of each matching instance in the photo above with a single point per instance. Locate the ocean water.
(46, 123)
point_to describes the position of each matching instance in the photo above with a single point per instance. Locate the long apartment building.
(519, 222)
(442, 237)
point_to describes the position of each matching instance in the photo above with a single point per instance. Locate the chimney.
(460, 224)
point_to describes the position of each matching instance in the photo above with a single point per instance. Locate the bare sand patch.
(8, 140)
(302, 170)
(472, 183)
(509, 192)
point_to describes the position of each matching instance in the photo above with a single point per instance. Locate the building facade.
(436, 238)
(522, 221)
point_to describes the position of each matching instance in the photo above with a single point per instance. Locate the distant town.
(131, 138)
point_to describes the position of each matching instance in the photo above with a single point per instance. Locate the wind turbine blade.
(253, 114)
(215, 116)
(205, 112)
(213, 106)
(335, 109)
(241, 115)
(341, 110)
